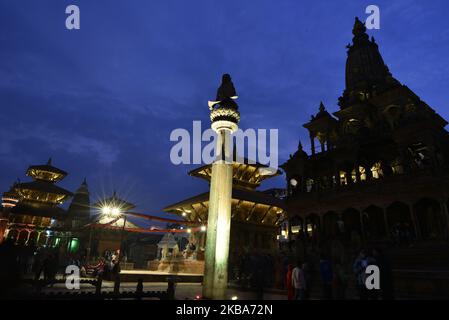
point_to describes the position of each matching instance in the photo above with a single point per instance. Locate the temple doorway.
(430, 219)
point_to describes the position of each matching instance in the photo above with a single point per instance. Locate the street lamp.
(107, 211)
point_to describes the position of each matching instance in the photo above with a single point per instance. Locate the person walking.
(359, 268)
(340, 281)
(289, 283)
(326, 277)
(299, 282)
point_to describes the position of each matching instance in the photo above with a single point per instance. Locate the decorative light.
(115, 211)
(184, 214)
(293, 182)
(203, 228)
(189, 230)
(234, 298)
(106, 210)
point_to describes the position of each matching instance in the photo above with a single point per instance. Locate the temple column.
(362, 225)
(445, 213)
(38, 237)
(414, 222)
(387, 227)
(357, 173)
(28, 237)
(348, 175)
(369, 173)
(312, 144)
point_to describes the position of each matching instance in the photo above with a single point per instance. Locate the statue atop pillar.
(225, 108)
(226, 94)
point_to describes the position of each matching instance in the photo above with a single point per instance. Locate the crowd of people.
(335, 277)
(251, 270)
(44, 264)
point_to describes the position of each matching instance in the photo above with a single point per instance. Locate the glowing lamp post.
(224, 118)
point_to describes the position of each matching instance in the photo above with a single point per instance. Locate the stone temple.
(377, 168)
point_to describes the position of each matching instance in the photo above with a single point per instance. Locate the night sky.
(102, 101)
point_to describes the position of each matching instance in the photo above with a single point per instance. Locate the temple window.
(343, 180)
(377, 171)
(362, 174)
(296, 229)
(354, 176)
(334, 180)
(397, 167)
(309, 229)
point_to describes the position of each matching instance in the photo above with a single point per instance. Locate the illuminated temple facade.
(377, 165)
(256, 215)
(33, 215)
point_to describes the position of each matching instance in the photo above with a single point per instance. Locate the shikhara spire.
(366, 71)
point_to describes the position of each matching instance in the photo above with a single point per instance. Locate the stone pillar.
(387, 226)
(357, 174)
(445, 213)
(369, 173)
(415, 222)
(224, 123)
(312, 144)
(362, 225)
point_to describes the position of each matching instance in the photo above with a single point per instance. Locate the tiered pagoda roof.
(43, 191)
(248, 204)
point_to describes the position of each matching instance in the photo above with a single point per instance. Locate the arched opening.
(343, 180)
(330, 228)
(351, 219)
(374, 223)
(23, 237)
(312, 227)
(430, 220)
(296, 226)
(13, 234)
(32, 240)
(362, 173)
(400, 222)
(376, 171)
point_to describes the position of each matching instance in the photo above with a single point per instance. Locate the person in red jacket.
(289, 283)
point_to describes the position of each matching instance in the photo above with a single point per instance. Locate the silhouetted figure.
(340, 280)
(386, 275)
(139, 288)
(289, 283)
(9, 268)
(326, 277)
(226, 93)
(259, 271)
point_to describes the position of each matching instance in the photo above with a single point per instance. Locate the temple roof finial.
(300, 145)
(322, 107)
(359, 32)
(359, 27)
(49, 162)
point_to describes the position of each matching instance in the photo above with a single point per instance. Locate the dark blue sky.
(103, 100)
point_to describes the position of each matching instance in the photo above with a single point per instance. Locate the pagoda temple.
(32, 209)
(256, 215)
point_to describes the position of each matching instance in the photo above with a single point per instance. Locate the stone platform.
(177, 265)
(159, 276)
